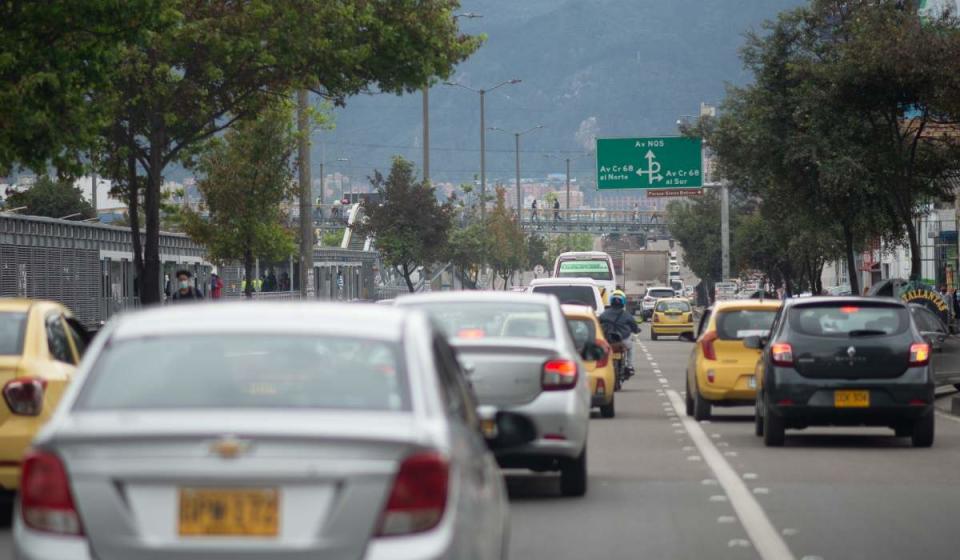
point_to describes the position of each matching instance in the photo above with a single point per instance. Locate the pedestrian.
(636, 211)
(556, 209)
(185, 291)
(335, 211)
(533, 210)
(216, 286)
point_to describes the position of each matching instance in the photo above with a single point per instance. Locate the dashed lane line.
(766, 539)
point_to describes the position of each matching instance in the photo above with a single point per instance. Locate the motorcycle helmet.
(618, 296)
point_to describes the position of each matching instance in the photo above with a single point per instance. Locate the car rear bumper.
(671, 328)
(35, 545)
(561, 419)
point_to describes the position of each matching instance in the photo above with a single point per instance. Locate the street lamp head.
(515, 81)
(467, 15)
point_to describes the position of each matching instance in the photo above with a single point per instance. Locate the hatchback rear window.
(841, 320)
(677, 306)
(247, 371)
(491, 319)
(741, 323)
(661, 293)
(12, 325)
(580, 295)
(583, 331)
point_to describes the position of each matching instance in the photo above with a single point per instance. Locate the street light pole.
(516, 136)
(725, 230)
(426, 133)
(568, 184)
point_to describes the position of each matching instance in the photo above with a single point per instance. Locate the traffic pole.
(725, 230)
(306, 196)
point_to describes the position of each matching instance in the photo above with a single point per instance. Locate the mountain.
(588, 67)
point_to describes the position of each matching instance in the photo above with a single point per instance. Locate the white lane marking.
(738, 543)
(726, 519)
(709, 482)
(654, 364)
(715, 436)
(729, 453)
(760, 490)
(789, 532)
(722, 444)
(768, 542)
(718, 498)
(749, 476)
(664, 381)
(657, 371)
(694, 458)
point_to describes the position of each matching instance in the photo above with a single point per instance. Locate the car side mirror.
(755, 342)
(592, 352)
(502, 429)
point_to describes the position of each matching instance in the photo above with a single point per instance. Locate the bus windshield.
(598, 269)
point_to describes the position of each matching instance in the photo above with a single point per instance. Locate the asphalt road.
(662, 486)
(665, 487)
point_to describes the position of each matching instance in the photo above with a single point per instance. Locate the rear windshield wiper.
(866, 332)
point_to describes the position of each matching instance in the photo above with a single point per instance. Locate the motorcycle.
(618, 351)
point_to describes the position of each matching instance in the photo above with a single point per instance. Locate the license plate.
(229, 512)
(851, 399)
(752, 382)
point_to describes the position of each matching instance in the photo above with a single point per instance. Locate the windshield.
(598, 269)
(579, 295)
(248, 371)
(849, 320)
(582, 330)
(12, 325)
(491, 320)
(739, 324)
(673, 306)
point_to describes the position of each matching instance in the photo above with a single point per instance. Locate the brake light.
(471, 333)
(602, 362)
(706, 345)
(919, 354)
(782, 354)
(24, 395)
(46, 502)
(559, 375)
(849, 309)
(419, 496)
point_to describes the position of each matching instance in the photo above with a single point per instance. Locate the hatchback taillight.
(602, 362)
(24, 395)
(46, 503)
(418, 497)
(919, 354)
(706, 345)
(782, 354)
(559, 375)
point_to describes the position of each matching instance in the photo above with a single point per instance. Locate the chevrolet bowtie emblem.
(230, 447)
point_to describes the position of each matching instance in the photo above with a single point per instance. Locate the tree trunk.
(916, 270)
(151, 252)
(852, 273)
(406, 277)
(133, 208)
(248, 262)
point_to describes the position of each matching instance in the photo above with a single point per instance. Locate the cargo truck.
(643, 270)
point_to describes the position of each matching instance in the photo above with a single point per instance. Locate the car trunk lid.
(505, 372)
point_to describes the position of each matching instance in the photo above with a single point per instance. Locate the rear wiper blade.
(866, 332)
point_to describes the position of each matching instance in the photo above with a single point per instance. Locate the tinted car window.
(248, 371)
(57, 340)
(679, 306)
(741, 323)
(661, 293)
(491, 319)
(849, 320)
(582, 295)
(12, 325)
(582, 330)
(596, 269)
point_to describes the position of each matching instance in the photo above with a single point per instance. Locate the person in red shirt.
(216, 286)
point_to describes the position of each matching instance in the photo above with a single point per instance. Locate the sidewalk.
(944, 399)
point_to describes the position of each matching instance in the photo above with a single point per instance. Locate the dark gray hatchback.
(849, 361)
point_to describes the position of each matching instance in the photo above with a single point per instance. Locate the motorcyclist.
(616, 319)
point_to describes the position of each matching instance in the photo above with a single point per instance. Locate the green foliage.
(695, 224)
(508, 251)
(246, 178)
(53, 199)
(468, 248)
(331, 238)
(410, 226)
(566, 243)
(537, 252)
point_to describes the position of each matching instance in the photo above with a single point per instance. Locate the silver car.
(265, 431)
(520, 356)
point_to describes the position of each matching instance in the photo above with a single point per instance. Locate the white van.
(596, 265)
(577, 291)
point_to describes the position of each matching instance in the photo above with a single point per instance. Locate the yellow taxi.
(720, 371)
(672, 317)
(585, 327)
(40, 345)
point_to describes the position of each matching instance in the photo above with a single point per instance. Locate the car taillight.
(782, 354)
(46, 503)
(602, 362)
(559, 375)
(706, 344)
(919, 354)
(419, 496)
(24, 395)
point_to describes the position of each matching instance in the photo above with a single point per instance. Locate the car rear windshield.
(661, 293)
(583, 331)
(491, 319)
(247, 371)
(673, 306)
(12, 325)
(849, 320)
(580, 295)
(597, 269)
(738, 324)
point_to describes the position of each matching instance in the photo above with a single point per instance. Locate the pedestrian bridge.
(596, 222)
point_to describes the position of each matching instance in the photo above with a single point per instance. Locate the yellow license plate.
(229, 512)
(851, 399)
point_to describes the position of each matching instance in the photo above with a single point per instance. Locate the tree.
(178, 73)
(565, 243)
(247, 176)
(696, 226)
(508, 251)
(537, 252)
(53, 199)
(410, 225)
(468, 249)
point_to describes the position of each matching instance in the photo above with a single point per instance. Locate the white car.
(570, 291)
(266, 430)
(651, 297)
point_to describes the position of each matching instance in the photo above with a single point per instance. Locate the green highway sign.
(649, 163)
